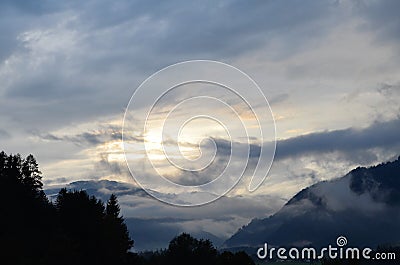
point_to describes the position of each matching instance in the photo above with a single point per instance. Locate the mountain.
(148, 233)
(363, 206)
(102, 189)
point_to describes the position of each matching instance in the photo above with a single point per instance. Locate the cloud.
(278, 99)
(75, 62)
(74, 59)
(344, 148)
(55, 181)
(89, 138)
(242, 27)
(67, 64)
(4, 134)
(146, 214)
(347, 141)
(114, 167)
(389, 90)
(352, 143)
(382, 18)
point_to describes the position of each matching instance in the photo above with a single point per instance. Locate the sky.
(329, 69)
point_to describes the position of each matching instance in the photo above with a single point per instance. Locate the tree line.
(78, 228)
(185, 249)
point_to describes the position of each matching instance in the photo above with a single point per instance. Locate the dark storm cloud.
(348, 141)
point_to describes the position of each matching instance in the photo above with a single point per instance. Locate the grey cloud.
(278, 98)
(50, 181)
(90, 138)
(79, 139)
(8, 39)
(355, 144)
(382, 18)
(114, 167)
(387, 89)
(201, 177)
(104, 167)
(224, 147)
(347, 141)
(203, 28)
(4, 134)
(358, 145)
(18, 16)
(83, 138)
(116, 45)
(243, 26)
(39, 8)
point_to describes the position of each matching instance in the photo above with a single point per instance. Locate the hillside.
(363, 206)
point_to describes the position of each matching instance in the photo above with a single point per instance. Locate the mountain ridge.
(363, 205)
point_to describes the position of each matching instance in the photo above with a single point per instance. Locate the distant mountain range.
(148, 233)
(102, 189)
(363, 206)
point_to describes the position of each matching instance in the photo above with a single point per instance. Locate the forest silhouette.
(78, 228)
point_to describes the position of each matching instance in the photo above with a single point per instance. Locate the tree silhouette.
(238, 258)
(31, 175)
(77, 229)
(184, 249)
(96, 234)
(116, 233)
(113, 209)
(25, 211)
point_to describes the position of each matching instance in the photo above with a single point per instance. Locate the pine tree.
(113, 208)
(31, 175)
(77, 229)
(25, 210)
(81, 222)
(116, 231)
